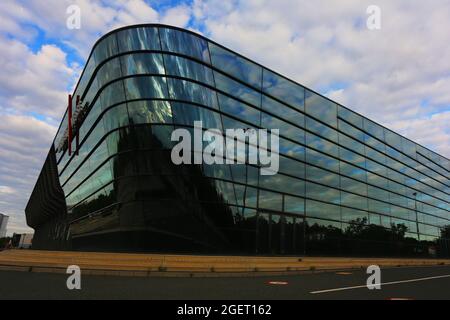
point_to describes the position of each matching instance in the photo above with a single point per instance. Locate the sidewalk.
(192, 265)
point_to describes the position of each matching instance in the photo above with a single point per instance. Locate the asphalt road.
(397, 283)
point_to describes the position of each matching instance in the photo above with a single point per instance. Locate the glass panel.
(353, 186)
(271, 106)
(112, 94)
(150, 112)
(322, 193)
(184, 43)
(321, 144)
(282, 183)
(115, 117)
(236, 66)
(374, 129)
(292, 167)
(322, 210)
(285, 129)
(144, 38)
(189, 91)
(353, 216)
(237, 90)
(294, 205)
(106, 48)
(353, 200)
(321, 108)
(350, 116)
(322, 176)
(322, 130)
(109, 71)
(142, 63)
(182, 67)
(145, 87)
(270, 200)
(284, 90)
(184, 113)
(240, 110)
(322, 160)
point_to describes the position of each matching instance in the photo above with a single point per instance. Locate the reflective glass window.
(150, 111)
(143, 38)
(109, 71)
(193, 92)
(142, 63)
(353, 215)
(281, 183)
(270, 200)
(379, 206)
(187, 68)
(374, 129)
(285, 129)
(322, 176)
(292, 167)
(292, 149)
(184, 43)
(106, 48)
(115, 117)
(145, 87)
(321, 129)
(184, 113)
(294, 205)
(112, 94)
(238, 109)
(350, 116)
(354, 186)
(237, 90)
(321, 108)
(283, 111)
(322, 193)
(353, 200)
(322, 210)
(284, 89)
(236, 66)
(352, 171)
(321, 144)
(322, 160)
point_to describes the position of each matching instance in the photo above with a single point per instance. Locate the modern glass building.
(345, 186)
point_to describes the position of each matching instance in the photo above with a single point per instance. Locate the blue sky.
(398, 76)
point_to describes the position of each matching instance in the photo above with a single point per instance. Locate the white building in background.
(3, 224)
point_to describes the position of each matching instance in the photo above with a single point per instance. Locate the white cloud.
(386, 75)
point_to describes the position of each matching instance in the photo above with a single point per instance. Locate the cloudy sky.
(398, 76)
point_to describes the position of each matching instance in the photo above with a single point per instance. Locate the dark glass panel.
(283, 111)
(183, 67)
(353, 186)
(321, 144)
(270, 200)
(322, 176)
(294, 205)
(352, 215)
(185, 43)
(238, 109)
(350, 116)
(292, 149)
(285, 129)
(144, 38)
(322, 160)
(150, 111)
(184, 113)
(115, 117)
(106, 48)
(145, 87)
(321, 129)
(284, 90)
(236, 66)
(322, 193)
(112, 94)
(237, 89)
(353, 200)
(108, 72)
(189, 91)
(292, 167)
(142, 63)
(322, 210)
(282, 183)
(321, 108)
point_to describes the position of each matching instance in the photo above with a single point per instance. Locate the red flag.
(70, 125)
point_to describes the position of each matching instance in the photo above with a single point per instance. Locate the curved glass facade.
(345, 186)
